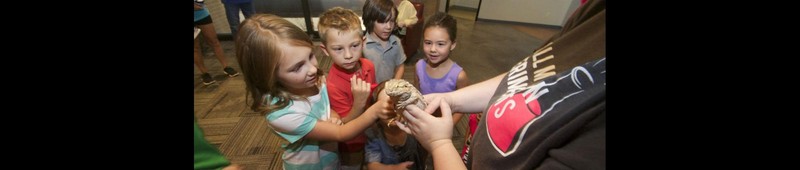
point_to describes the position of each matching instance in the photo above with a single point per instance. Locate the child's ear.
(453, 46)
(322, 47)
(363, 41)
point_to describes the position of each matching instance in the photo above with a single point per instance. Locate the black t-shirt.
(549, 110)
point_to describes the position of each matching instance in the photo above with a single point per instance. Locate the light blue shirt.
(385, 59)
(293, 122)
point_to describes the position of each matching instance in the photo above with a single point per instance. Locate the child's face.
(384, 30)
(344, 48)
(437, 45)
(297, 69)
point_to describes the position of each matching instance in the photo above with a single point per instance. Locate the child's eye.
(295, 69)
(427, 43)
(337, 49)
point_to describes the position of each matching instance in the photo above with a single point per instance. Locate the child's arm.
(326, 131)
(360, 90)
(461, 82)
(398, 71)
(335, 119)
(468, 99)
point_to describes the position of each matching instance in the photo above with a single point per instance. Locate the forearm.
(356, 126)
(474, 98)
(445, 156)
(355, 111)
(335, 114)
(398, 71)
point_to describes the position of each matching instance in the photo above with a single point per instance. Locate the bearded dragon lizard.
(403, 94)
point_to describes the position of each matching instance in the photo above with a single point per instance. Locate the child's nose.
(312, 71)
(348, 54)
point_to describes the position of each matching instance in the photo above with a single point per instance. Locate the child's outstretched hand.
(386, 105)
(431, 132)
(360, 89)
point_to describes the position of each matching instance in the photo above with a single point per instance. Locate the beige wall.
(572, 7)
(546, 12)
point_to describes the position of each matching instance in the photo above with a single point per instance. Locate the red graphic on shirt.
(505, 121)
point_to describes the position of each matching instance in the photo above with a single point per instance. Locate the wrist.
(448, 98)
(373, 112)
(359, 104)
(440, 144)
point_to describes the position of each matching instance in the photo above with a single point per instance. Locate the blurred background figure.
(202, 20)
(232, 8)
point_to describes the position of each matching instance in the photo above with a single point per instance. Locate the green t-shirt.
(205, 155)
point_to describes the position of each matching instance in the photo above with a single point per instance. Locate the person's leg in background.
(210, 35)
(198, 60)
(232, 13)
(248, 9)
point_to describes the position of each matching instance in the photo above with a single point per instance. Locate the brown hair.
(443, 20)
(338, 18)
(258, 55)
(378, 10)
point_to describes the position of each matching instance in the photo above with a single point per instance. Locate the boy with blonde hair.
(350, 79)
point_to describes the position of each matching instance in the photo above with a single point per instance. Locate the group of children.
(338, 121)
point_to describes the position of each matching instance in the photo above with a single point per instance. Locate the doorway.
(466, 9)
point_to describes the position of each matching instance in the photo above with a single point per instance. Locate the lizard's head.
(398, 88)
